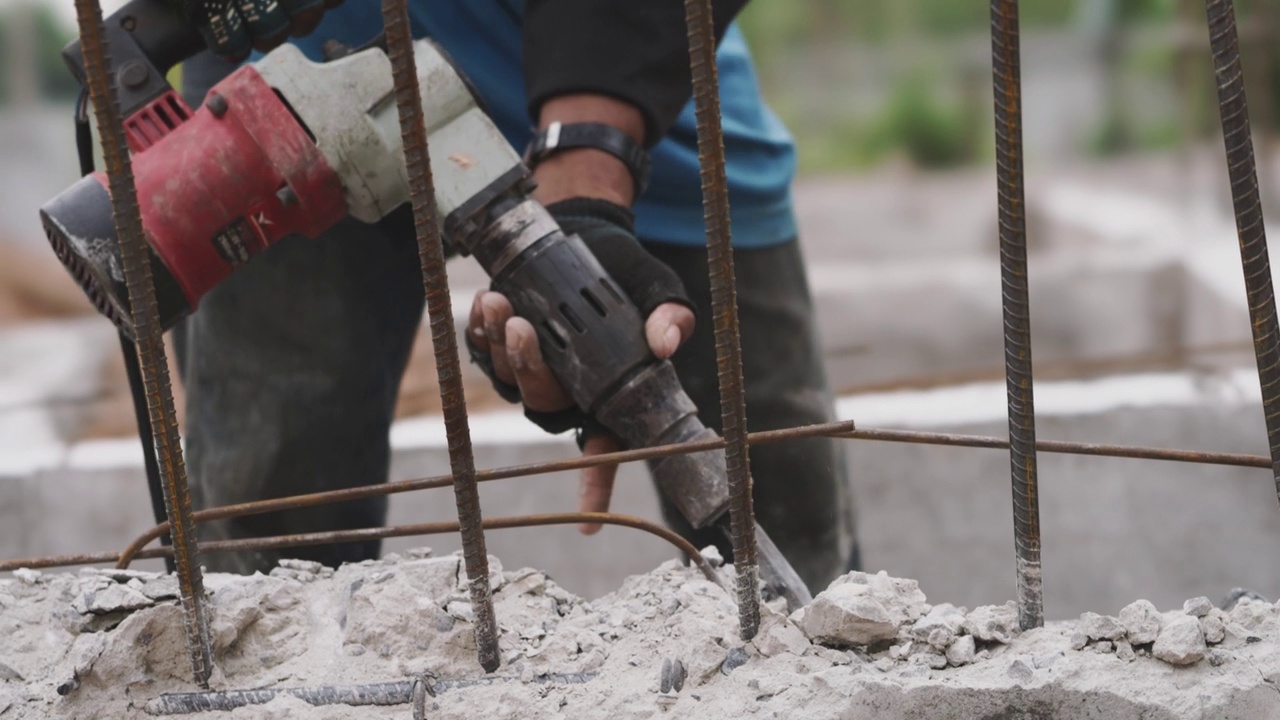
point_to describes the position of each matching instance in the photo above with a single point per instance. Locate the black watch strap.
(565, 136)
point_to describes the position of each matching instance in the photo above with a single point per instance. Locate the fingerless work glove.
(608, 231)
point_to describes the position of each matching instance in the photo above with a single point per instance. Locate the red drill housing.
(216, 188)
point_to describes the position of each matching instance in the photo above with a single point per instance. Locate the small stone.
(1104, 646)
(900, 652)
(1181, 642)
(1101, 627)
(936, 661)
(1079, 640)
(111, 599)
(781, 637)
(1251, 613)
(846, 615)
(355, 650)
(28, 576)
(1019, 670)
(1214, 627)
(1218, 658)
(1044, 661)
(962, 651)
(1197, 607)
(672, 677)
(712, 555)
(460, 610)
(1124, 651)
(736, 658)
(884, 664)
(993, 623)
(1141, 621)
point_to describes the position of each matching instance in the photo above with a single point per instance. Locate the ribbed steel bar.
(135, 261)
(843, 429)
(724, 303)
(413, 130)
(1007, 81)
(1242, 171)
(398, 692)
(378, 533)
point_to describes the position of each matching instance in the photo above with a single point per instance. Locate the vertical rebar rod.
(395, 15)
(1242, 171)
(1007, 83)
(135, 260)
(715, 198)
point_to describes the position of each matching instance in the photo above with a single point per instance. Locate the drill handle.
(147, 39)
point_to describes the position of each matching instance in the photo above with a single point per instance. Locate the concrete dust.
(105, 643)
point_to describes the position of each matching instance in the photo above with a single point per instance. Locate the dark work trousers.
(292, 367)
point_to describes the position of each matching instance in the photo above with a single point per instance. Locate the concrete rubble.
(105, 643)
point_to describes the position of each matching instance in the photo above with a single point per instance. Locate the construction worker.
(292, 366)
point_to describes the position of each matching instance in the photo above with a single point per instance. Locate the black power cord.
(84, 147)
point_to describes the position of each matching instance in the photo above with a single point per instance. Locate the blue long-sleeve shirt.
(484, 37)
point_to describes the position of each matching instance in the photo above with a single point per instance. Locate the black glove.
(232, 29)
(608, 231)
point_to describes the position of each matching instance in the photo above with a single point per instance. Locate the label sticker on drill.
(233, 242)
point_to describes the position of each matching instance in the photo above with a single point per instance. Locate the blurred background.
(1141, 330)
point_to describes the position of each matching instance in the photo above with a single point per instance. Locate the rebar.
(1242, 171)
(399, 692)
(276, 542)
(1007, 81)
(838, 430)
(395, 16)
(135, 260)
(724, 303)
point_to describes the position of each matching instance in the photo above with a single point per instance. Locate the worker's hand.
(506, 347)
(234, 28)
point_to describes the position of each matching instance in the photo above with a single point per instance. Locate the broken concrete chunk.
(1141, 621)
(1197, 607)
(1019, 670)
(940, 627)
(1104, 646)
(963, 651)
(781, 637)
(111, 599)
(28, 576)
(712, 555)
(1214, 626)
(1079, 640)
(993, 623)
(1251, 613)
(162, 588)
(1101, 627)
(736, 658)
(1124, 651)
(1181, 642)
(900, 652)
(846, 615)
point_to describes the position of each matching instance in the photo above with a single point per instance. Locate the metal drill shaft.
(1242, 171)
(135, 262)
(395, 14)
(1017, 314)
(715, 197)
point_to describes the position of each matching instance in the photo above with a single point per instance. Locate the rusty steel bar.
(1242, 170)
(1007, 81)
(843, 429)
(395, 16)
(839, 429)
(733, 405)
(344, 536)
(135, 261)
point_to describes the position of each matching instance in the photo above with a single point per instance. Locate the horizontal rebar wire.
(276, 542)
(843, 430)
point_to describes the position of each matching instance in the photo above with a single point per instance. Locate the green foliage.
(53, 79)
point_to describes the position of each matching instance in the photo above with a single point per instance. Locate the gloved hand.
(506, 347)
(232, 29)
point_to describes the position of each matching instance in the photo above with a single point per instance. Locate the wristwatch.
(567, 136)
